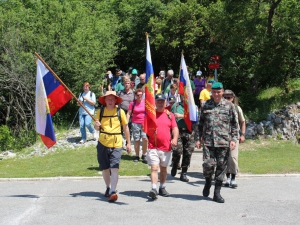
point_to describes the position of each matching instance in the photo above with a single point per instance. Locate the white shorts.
(158, 157)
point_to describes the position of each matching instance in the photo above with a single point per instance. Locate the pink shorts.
(158, 157)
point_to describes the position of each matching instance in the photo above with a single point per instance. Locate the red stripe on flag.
(47, 141)
(58, 98)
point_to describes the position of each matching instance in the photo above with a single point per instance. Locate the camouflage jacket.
(218, 124)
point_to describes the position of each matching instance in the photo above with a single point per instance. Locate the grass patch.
(79, 162)
(269, 100)
(269, 156)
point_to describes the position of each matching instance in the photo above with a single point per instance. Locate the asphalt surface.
(265, 199)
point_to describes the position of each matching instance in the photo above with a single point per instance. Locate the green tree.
(77, 39)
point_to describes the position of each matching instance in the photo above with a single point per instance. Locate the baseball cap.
(199, 73)
(160, 97)
(134, 71)
(211, 81)
(172, 99)
(217, 85)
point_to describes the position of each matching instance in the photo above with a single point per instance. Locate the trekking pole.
(73, 120)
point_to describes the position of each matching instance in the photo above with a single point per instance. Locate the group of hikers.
(220, 128)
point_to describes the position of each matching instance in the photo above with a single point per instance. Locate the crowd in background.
(128, 92)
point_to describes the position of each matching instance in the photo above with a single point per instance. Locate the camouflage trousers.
(215, 157)
(185, 147)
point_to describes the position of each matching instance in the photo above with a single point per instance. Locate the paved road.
(257, 200)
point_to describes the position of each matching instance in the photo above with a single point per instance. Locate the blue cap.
(160, 97)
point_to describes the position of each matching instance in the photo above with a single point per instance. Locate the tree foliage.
(258, 42)
(77, 39)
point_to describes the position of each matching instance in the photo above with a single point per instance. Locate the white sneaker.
(96, 136)
(228, 181)
(82, 142)
(233, 183)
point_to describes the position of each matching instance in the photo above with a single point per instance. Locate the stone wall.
(282, 124)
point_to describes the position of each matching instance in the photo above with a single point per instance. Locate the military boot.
(174, 168)
(217, 196)
(206, 187)
(183, 175)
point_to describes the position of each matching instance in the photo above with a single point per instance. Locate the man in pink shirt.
(159, 146)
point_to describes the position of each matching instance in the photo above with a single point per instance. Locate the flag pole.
(65, 86)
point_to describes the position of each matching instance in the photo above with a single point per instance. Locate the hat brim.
(102, 99)
(158, 99)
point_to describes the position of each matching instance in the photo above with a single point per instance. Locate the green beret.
(217, 85)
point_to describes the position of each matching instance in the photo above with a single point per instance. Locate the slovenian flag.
(150, 118)
(50, 97)
(185, 89)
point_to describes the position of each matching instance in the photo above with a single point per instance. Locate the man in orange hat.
(110, 120)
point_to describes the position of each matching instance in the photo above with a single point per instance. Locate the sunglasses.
(140, 95)
(228, 97)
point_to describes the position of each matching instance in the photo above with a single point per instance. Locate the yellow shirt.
(204, 95)
(110, 134)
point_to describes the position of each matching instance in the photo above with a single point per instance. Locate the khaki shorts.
(158, 157)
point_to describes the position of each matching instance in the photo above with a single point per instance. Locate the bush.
(6, 140)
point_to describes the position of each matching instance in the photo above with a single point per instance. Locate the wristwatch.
(243, 134)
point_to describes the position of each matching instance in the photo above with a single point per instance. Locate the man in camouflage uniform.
(185, 145)
(218, 131)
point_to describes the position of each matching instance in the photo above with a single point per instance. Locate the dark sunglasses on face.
(228, 97)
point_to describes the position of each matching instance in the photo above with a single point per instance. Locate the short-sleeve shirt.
(200, 85)
(163, 132)
(178, 108)
(111, 136)
(91, 108)
(120, 87)
(138, 113)
(204, 95)
(192, 85)
(127, 97)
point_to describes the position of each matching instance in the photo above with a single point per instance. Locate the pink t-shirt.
(138, 113)
(163, 133)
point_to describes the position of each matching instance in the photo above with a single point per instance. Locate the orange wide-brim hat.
(102, 98)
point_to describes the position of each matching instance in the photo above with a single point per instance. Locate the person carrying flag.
(109, 147)
(186, 142)
(159, 146)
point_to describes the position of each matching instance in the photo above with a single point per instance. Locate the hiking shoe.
(82, 141)
(144, 159)
(153, 194)
(136, 159)
(163, 192)
(113, 197)
(107, 192)
(227, 183)
(233, 183)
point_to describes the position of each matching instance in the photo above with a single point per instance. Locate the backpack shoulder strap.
(101, 113)
(168, 114)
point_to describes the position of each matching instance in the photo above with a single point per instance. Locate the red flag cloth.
(150, 118)
(57, 94)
